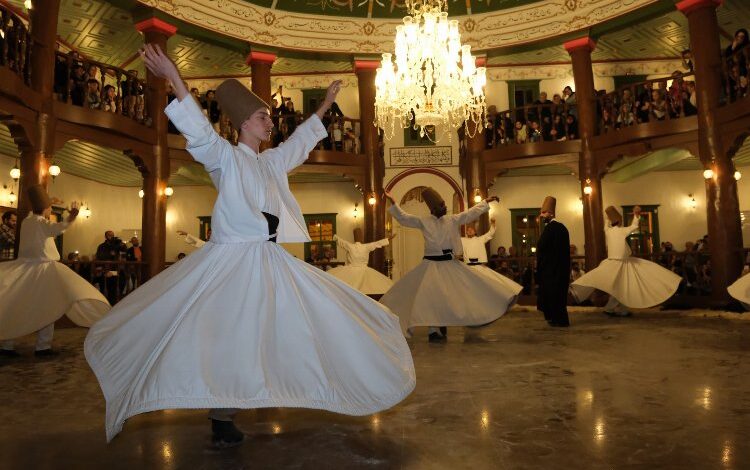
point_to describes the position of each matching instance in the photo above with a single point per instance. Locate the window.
(204, 227)
(646, 240)
(311, 100)
(526, 230)
(322, 228)
(522, 93)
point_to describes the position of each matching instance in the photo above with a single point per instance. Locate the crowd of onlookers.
(342, 132)
(90, 85)
(736, 57)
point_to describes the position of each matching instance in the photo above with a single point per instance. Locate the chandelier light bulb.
(15, 173)
(708, 174)
(737, 175)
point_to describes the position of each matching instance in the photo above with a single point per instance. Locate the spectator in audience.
(291, 118)
(93, 97)
(627, 97)
(739, 41)
(571, 127)
(608, 121)
(569, 97)
(690, 99)
(643, 103)
(687, 60)
(558, 104)
(489, 135)
(501, 252)
(658, 106)
(111, 248)
(180, 255)
(78, 85)
(535, 134)
(109, 99)
(196, 94)
(131, 89)
(737, 83)
(676, 95)
(558, 128)
(338, 135)
(134, 253)
(625, 117)
(575, 271)
(92, 73)
(573, 250)
(520, 133)
(212, 109)
(61, 75)
(8, 234)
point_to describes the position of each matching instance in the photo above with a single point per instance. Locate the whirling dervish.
(356, 272)
(36, 289)
(475, 256)
(427, 295)
(630, 282)
(241, 323)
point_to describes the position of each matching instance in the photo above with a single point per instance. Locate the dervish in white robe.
(356, 272)
(631, 282)
(475, 256)
(36, 290)
(441, 290)
(241, 323)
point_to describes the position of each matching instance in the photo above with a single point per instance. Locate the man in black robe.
(553, 267)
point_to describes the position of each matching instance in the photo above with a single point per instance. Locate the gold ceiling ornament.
(435, 81)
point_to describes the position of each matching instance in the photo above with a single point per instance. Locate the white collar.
(245, 148)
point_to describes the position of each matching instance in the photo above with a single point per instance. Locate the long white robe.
(740, 290)
(36, 290)
(356, 272)
(445, 293)
(634, 282)
(241, 323)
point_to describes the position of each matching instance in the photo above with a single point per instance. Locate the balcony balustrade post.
(722, 203)
(374, 214)
(156, 175)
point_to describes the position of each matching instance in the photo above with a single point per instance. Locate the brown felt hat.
(613, 215)
(432, 199)
(38, 198)
(237, 102)
(549, 204)
(359, 236)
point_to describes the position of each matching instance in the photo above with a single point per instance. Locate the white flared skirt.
(247, 325)
(363, 278)
(740, 289)
(634, 282)
(36, 293)
(449, 293)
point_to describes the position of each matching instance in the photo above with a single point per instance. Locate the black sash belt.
(446, 256)
(273, 225)
(474, 262)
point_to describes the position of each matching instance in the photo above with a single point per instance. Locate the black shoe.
(225, 434)
(49, 352)
(9, 353)
(444, 331)
(437, 338)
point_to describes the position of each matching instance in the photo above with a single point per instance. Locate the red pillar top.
(689, 6)
(157, 26)
(259, 57)
(580, 43)
(366, 65)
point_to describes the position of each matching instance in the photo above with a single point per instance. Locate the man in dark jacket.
(553, 267)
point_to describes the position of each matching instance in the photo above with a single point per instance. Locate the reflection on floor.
(659, 390)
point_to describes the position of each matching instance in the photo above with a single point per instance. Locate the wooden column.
(374, 214)
(722, 204)
(34, 163)
(593, 210)
(156, 175)
(260, 70)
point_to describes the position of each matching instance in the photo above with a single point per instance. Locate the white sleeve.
(342, 243)
(193, 240)
(488, 236)
(294, 151)
(378, 244)
(203, 143)
(407, 220)
(55, 229)
(472, 214)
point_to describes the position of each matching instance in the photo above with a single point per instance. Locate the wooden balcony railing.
(736, 75)
(547, 122)
(655, 100)
(15, 44)
(101, 87)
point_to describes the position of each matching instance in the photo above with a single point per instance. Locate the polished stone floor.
(661, 390)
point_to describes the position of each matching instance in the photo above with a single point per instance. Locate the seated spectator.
(351, 141)
(180, 256)
(571, 127)
(643, 103)
(521, 133)
(93, 97)
(109, 99)
(131, 88)
(575, 271)
(625, 117)
(501, 252)
(78, 85)
(607, 120)
(489, 135)
(675, 95)
(627, 97)
(338, 135)
(535, 134)
(558, 105)
(8, 234)
(690, 99)
(658, 106)
(737, 83)
(558, 129)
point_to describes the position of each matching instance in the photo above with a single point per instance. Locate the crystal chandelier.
(435, 81)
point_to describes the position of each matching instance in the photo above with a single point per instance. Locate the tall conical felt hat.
(359, 235)
(613, 215)
(549, 204)
(38, 198)
(432, 199)
(237, 102)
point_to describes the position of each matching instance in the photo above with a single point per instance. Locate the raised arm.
(378, 244)
(490, 233)
(203, 143)
(472, 214)
(405, 219)
(55, 229)
(294, 151)
(342, 243)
